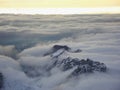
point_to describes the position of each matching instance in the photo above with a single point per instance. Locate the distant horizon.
(58, 3)
(65, 11)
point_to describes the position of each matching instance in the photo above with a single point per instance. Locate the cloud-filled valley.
(27, 53)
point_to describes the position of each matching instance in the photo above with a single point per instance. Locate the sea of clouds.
(24, 39)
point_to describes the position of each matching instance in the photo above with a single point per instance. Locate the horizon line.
(65, 11)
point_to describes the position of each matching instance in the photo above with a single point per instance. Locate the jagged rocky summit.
(81, 65)
(60, 57)
(58, 50)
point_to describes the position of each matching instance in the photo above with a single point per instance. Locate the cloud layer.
(98, 37)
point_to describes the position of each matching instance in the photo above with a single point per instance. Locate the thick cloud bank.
(96, 37)
(8, 50)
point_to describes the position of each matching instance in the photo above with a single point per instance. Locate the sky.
(58, 3)
(62, 4)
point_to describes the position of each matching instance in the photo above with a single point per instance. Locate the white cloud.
(8, 50)
(7, 62)
(98, 37)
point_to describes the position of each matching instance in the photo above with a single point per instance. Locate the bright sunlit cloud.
(59, 6)
(113, 10)
(58, 3)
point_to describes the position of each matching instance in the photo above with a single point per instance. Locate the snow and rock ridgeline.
(82, 66)
(60, 58)
(57, 50)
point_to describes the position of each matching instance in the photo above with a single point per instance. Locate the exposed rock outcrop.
(1, 80)
(60, 49)
(61, 58)
(57, 47)
(82, 66)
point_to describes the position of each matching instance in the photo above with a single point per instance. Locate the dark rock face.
(66, 48)
(58, 47)
(82, 66)
(55, 48)
(1, 80)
